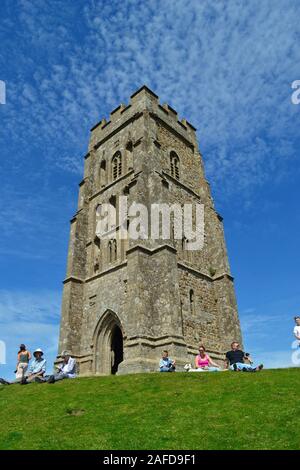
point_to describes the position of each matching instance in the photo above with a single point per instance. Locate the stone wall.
(160, 294)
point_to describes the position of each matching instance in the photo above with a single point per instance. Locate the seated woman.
(203, 362)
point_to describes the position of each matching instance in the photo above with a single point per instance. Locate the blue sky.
(227, 66)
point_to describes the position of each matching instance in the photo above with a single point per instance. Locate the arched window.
(191, 300)
(116, 165)
(174, 165)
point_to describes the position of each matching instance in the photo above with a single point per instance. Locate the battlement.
(141, 100)
(182, 294)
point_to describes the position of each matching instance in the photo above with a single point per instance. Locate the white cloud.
(226, 66)
(274, 359)
(29, 307)
(30, 318)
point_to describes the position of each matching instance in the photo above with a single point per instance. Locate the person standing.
(35, 371)
(24, 357)
(297, 329)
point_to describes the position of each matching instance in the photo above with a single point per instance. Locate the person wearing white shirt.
(297, 329)
(66, 370)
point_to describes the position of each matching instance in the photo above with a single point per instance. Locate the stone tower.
(124, 301)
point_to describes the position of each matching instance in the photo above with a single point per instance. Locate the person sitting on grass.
(166, 364)
(235, 360)
(203, 362)
(66, 370)
(36, 369)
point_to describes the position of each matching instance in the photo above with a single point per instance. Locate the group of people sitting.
(236, 360)
(34, 371)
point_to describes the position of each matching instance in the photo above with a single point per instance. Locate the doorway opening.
(116, 349)
(108, 344)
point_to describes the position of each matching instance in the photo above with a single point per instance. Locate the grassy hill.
(155, 411)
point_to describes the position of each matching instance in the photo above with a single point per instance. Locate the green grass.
(155, 411)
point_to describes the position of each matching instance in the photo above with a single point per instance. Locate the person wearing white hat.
(66, 370)
(37, 367)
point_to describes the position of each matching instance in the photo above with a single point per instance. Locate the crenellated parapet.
(143, 100)
(126, 299)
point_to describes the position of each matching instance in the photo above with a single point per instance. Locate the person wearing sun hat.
(67, 369)
(37, 367)
(35, 371)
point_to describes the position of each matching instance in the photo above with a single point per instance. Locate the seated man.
(35, 372)
(235, 360)
(166, 364)
(66, 370)
(36, 369)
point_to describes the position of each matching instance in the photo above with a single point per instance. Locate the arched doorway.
(108, 344)
(116, 349)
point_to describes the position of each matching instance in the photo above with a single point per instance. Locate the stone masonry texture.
(125, 301)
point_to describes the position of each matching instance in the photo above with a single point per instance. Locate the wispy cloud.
(226, 66)
(275, 359)
(29, 307)
(32, 215)
(31, 318)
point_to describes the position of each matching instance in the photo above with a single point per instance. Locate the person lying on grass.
(166, 364)
(235, 360)
(66, 370)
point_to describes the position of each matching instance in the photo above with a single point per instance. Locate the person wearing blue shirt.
(37, 367)
(35, 371)
(166, 364)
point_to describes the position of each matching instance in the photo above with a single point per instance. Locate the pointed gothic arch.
(108, 344)
(174, 165)
(116, 165)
